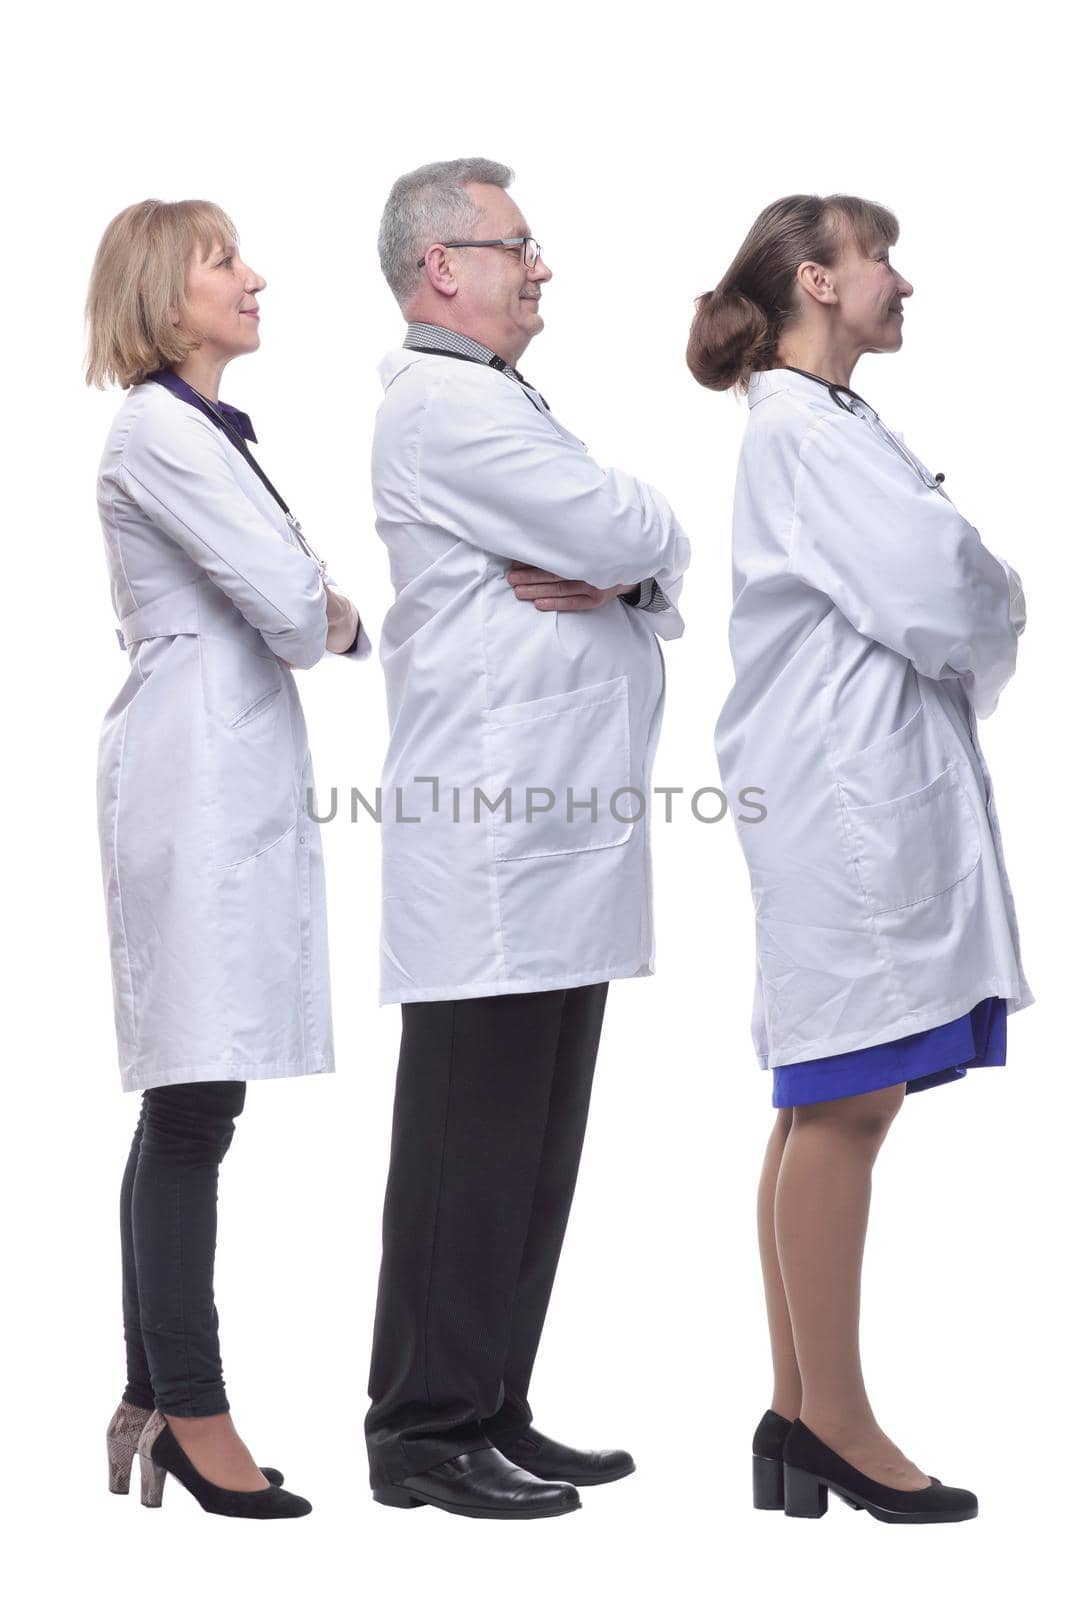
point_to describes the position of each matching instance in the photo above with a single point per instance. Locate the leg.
(560, 1157)
(820, 1216)
(174, 1214)
(138, 1401)
(788, 1389)
(138, 1390)
(472, 1100)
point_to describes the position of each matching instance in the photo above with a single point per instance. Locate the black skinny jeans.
(168, 1217)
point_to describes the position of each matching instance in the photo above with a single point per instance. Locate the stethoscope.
(854, 403)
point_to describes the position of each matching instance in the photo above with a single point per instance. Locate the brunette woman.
(870, 629)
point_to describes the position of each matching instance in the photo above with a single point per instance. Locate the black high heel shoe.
(811, 1469)
(767, 1471)
(123, 1431)
(159, 1453)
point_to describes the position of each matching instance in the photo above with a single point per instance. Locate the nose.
(905, 289)
(254, 283)
(541, 272)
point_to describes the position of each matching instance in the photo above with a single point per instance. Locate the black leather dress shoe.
(546, 1459)
(812, 1469)
(481, 1484)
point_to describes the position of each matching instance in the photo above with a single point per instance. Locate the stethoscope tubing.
(239, 444)
(839, 390)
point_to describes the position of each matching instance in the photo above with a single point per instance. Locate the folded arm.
(901, 563)
(183, 480)
(511, 485)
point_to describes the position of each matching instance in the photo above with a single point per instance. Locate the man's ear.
(817, 282)
(439, 271)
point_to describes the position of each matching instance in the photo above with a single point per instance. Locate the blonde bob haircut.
(138, 284)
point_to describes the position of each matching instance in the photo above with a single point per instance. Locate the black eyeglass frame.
(525, 241)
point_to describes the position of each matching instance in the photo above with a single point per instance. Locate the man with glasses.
(515, 851)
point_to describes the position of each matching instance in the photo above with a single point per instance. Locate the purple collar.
(240, 420)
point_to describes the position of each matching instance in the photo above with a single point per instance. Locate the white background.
(645, 139)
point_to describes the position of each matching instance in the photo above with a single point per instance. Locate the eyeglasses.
(530, 247)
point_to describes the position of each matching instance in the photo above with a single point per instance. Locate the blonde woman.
(212, 864)
(870, 629)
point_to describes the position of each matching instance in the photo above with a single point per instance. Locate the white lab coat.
(870, 627)
(470, 471)
(212, 866)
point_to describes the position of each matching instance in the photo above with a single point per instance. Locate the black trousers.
(168, 1216)
(492, 1099)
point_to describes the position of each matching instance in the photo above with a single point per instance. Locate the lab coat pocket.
(555, 769)
(251, 748)
(915, 847)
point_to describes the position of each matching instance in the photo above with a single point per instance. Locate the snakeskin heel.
(123, 1431)
(153, 1476)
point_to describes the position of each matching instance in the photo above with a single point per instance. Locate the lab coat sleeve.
(662, 614)
(182, 479)
(661, 610)
(646, 593)
(900, 562)
(503, 479)
(1017, 598)
(360, 649)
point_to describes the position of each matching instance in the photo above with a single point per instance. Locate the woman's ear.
(817, 282)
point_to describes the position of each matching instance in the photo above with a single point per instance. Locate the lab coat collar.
(397, 361)
(763, 384)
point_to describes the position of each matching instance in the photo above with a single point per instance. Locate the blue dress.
(921, 1060)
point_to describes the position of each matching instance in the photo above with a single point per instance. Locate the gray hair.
(426, 207)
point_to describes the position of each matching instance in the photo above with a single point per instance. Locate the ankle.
(205, 1424)
(841, 1427)
(216, 1431)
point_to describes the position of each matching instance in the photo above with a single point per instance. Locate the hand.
(549, 592)
(342, 621)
